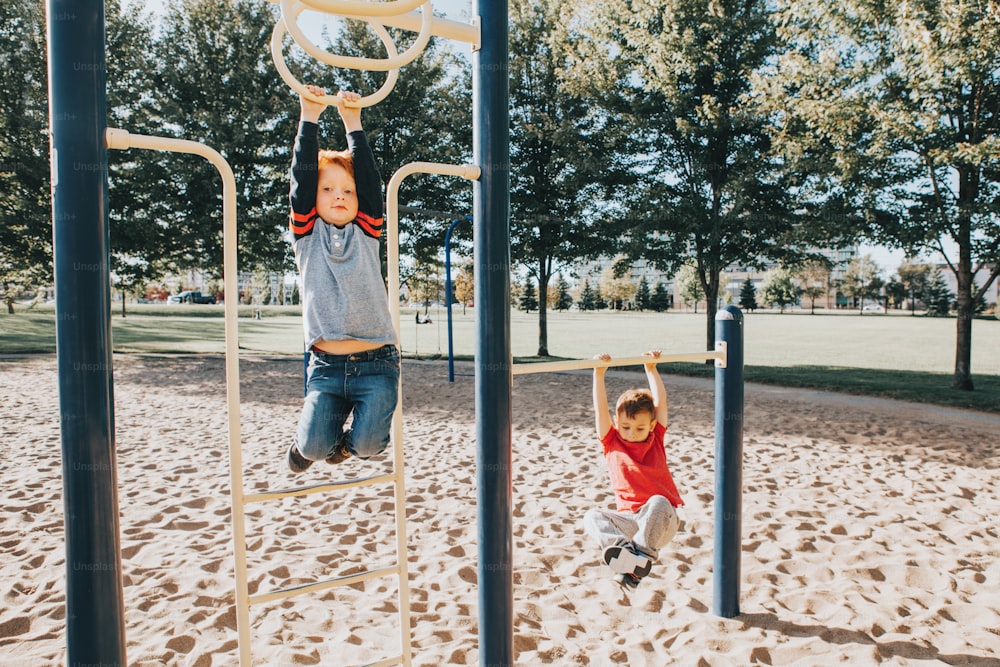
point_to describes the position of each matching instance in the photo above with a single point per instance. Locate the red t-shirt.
(639, 470)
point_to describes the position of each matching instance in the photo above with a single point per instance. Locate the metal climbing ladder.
(240, 499)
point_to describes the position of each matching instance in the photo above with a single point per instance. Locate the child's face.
(336, 196)
(635, 428)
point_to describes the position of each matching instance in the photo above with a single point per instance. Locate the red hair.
(340, 159)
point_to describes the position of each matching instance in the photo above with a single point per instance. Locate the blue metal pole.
(447, 296)
(95, 627)
(728, 464)
(493, 373)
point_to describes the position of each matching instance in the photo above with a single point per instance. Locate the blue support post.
(493, 372)
(728, 464)
(95, 625)
(447, 295)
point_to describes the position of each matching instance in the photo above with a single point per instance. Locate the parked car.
(189, 296)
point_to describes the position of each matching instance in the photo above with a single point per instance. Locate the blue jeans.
(366, 383)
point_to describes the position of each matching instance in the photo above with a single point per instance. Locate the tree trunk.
(711, 297)
(967, 192)
(962, 379)
(543, 307)
(123, 304)
(963, 350)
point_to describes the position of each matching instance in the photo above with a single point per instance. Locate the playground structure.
(95, 625)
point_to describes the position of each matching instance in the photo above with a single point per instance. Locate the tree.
(588, 299)
(714, 189)
(936, 295)
(913, 276)
(600, 303)
(903, 101)
(25, 197)
(642, 295)
(564, 300)
(895, 294)
(748, 295)
(615, 288)
(861, 280)
(980, 306)
(814, 277)
(424, 284)
(529, 301)
(691, 287)
(557, 143)
(464, 287)
(780, 288)
(660, 301)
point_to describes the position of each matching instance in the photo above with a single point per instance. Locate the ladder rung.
(323, 585)
(318, 488)
(398, 660)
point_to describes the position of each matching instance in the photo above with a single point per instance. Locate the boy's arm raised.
(309, 110)
(304, 176)
(602, 418)
(657, 389)
(366, 177)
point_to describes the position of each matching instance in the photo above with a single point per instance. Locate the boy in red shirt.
(645, 494)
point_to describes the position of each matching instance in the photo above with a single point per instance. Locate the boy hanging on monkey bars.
(644, 520)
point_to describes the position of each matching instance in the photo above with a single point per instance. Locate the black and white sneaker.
(624, 558)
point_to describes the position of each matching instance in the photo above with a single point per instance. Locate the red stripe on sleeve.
(302, 225)
(371, 226)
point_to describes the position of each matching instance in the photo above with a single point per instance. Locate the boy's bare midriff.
(345, 346)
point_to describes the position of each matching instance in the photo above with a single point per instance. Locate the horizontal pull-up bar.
(577, 364)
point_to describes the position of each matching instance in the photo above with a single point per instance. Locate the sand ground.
(869, 528)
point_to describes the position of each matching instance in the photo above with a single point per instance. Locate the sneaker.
(296, 462)
(628, 582)
(340, 452)
(624, 558)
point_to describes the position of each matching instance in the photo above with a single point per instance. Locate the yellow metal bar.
(123, 140)
(577, 364)
(292, 591)
(318, 488)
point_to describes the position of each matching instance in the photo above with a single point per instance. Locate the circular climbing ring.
(291, 9)
(297, 86)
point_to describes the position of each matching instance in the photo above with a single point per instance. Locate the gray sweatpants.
(650, 529)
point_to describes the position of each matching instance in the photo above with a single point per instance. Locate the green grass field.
(896, 355)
